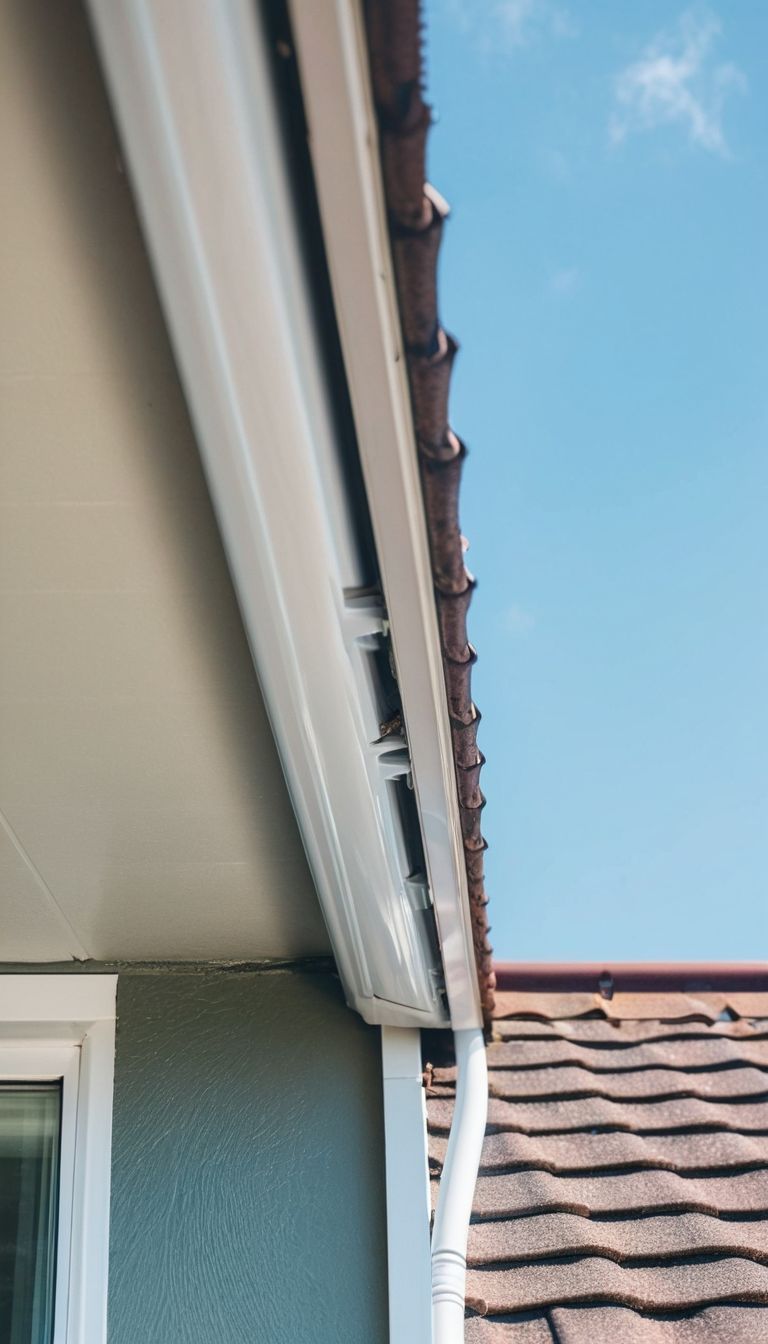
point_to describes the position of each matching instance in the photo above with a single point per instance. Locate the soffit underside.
(143, 810)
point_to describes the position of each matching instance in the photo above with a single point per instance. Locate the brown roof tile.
(656, 1237)
(595, 1279)
(657, 1117)
(600, 1031)
(533, 1330)
(569, 1154)
(713, 1325)
(618, 1325)
(416, 216)
(749, 1005)
(623, 1191)
(621, 1007)
(548, 1007)
(619, 1055)
(655, 1083)
(521, 1193)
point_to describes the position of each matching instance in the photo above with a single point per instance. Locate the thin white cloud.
(519, 20)
(504, 25)
(676, 82)
(557, 165)
(566, 280)
(514, 18)
(517, 621)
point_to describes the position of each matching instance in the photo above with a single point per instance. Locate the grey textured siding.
(248, 1163)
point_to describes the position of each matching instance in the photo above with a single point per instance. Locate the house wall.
(248, 1163)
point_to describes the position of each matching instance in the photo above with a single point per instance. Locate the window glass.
(30, 1122)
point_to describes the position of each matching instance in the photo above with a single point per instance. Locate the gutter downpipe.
(457, 1187)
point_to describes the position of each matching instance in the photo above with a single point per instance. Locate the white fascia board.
(192, 88)
(343, 138)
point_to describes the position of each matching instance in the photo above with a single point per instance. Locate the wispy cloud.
(557, 165)
(517, 621)
(566, 280)
(503, 25)
(676, 81)
(522, 21)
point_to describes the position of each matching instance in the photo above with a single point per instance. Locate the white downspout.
(457, 1187)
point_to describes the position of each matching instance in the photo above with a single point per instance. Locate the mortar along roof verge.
(416, 214)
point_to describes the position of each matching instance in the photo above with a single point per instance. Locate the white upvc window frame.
(62, 1027)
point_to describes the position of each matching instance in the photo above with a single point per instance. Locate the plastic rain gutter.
(343, 141)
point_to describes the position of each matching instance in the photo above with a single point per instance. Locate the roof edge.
(344, 138)
(629, 977)
(415, 215)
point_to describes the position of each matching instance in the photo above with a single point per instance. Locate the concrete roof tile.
(596, 1280)
(623, 1192)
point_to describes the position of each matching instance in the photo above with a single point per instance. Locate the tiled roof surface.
(623, 1189)
(416, 216)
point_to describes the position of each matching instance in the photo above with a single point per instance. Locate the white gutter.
(192, 86)
(343, 138)
(457, 1187)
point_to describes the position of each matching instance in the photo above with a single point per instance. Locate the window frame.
(62, 1027)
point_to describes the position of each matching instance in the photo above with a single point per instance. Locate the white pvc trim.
(192, 89)
(457, 1188)
(333, 60)
(57, 998)
(63, 1027)
(408, 1211)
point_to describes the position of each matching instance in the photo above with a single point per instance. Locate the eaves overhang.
(193, 90)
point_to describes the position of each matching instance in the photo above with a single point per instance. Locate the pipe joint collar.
(449, 1271)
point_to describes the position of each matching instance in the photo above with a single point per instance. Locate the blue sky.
(605, 270)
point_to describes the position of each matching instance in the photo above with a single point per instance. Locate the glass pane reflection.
(30, 1122)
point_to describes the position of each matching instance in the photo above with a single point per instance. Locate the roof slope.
(623, 1189)
(416, 214)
